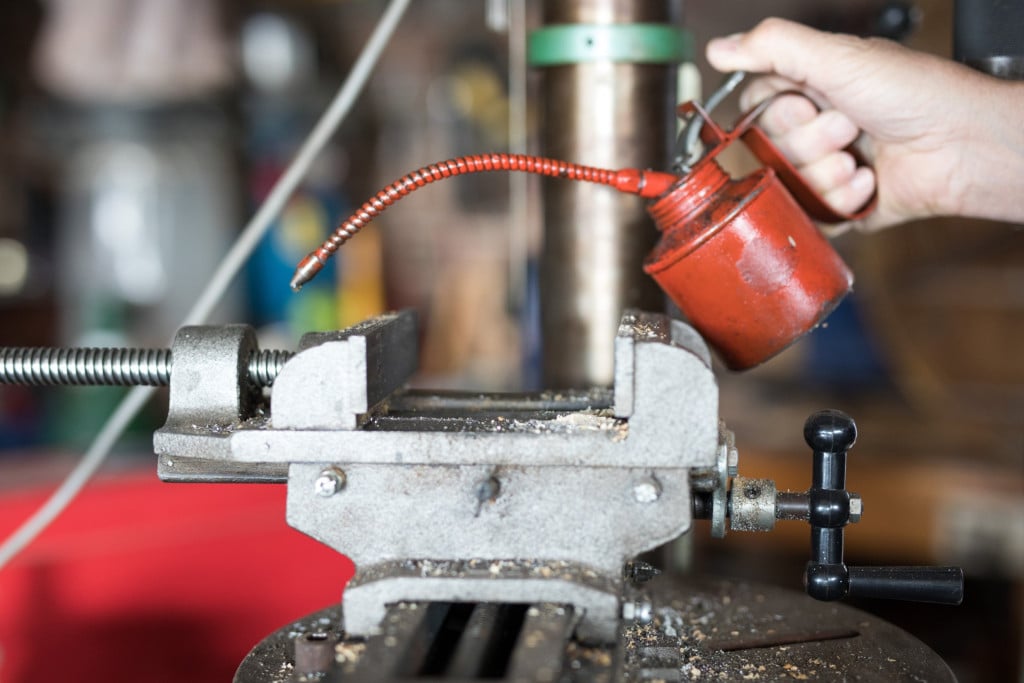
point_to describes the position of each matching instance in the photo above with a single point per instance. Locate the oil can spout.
(648, 184)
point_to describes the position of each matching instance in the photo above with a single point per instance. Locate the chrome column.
(603, 108)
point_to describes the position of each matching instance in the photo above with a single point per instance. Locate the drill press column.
(608, 91)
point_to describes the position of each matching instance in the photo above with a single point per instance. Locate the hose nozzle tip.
(306, 271)
(648, 184)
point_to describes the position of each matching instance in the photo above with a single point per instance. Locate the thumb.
(783, 47)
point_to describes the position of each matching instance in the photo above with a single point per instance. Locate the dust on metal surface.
(701, 629)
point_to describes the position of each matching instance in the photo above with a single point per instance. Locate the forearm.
(993, 156)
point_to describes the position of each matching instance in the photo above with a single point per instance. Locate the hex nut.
(330, 482)
(856, 508)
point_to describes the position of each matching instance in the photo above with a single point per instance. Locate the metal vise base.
(374, 588)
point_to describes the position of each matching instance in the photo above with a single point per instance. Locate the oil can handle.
(763, 148)
(768, 154)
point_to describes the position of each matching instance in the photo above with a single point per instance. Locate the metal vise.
(526, 499)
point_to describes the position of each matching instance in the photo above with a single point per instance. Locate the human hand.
(934, 130)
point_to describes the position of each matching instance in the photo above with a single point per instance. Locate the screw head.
(646, 490)
(638, 571)
(856, 508)
(488, 489)
(330, 481)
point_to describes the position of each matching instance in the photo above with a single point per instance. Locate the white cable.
(208, 300)
(294, 174)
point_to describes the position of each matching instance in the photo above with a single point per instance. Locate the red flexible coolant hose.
(648, 184)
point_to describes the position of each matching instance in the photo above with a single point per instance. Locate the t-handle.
(830, 434)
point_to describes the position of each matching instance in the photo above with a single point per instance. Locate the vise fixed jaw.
(466, 497)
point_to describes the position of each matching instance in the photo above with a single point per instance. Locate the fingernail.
(723, 48)
(840, 128)
(746, 100)
(863, 180)
(733, 37)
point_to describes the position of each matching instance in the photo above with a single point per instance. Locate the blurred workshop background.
(137, 136)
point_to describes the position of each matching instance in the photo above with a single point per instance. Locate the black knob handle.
(942, 585)
(830, 434)
(830, 431)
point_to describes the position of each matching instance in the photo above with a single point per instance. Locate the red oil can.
(742, 258)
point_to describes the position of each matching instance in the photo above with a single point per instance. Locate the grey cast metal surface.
(585, 488)
(614, 115)
(702, 630)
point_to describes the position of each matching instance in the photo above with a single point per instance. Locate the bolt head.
(639, 611)
(856, 508)
(646, 490)
(330, 482)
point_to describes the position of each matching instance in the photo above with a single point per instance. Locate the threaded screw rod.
(49, 366)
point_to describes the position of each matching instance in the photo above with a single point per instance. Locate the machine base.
(696, 629)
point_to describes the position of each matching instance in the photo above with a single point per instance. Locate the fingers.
(801, 54)
(854, 194)
(849, 197)
(814, 141)
(802, 132)
(764, 87)
(825, 134)
(830, 172)
(816, 148)
(798, 57)
(785, 114)
(773, 46)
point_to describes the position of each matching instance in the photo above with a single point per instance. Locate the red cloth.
(146, 581)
